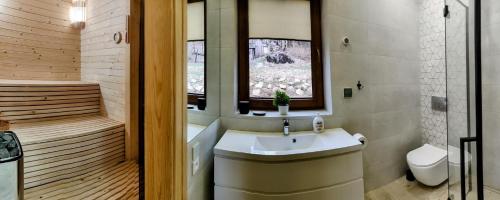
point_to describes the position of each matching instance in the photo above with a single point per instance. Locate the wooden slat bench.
(27, 101)
(59, 149)
(66, 142)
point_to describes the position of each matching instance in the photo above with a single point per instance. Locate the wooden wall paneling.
(104, 61)
(114, 66)
(165, 99)
(37, 41)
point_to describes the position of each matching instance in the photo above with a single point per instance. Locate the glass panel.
(280, 64)
(196, 67)
(490, 37)
(196, 48)
(457, 92)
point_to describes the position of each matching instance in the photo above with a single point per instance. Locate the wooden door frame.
(165, 100)
(132, 81)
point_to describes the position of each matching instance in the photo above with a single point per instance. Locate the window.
(196, 45)
(279, 47)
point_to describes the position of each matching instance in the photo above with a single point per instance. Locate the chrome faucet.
(286, 124)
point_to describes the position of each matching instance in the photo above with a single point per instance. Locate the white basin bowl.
(277, 147)
(275, 144)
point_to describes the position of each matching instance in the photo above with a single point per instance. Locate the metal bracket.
(446, 11)
(464, 140)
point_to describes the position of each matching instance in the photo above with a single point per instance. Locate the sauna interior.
(66, 88)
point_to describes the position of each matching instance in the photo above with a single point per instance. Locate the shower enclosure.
(489, 17)
(473, 93)
(461, 140)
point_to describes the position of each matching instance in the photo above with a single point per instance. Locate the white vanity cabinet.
(325, 168)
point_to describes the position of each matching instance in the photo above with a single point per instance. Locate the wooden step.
(60, 149)
(110, 181)
(17, 83)
(28, 101)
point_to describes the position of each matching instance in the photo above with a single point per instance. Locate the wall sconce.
(77, 13)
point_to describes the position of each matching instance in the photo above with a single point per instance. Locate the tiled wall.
(456, 70)
(491, 91)
(443, 61)
(201, 184)
(433, 70)
(104, 61)
(384, 55)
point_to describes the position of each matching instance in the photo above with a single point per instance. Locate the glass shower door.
(461, 140)
(490, 82)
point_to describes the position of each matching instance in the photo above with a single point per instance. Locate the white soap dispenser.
(318, 124)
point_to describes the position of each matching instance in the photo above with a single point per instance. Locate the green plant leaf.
(281, 98)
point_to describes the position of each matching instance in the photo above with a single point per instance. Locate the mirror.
(202, 64)
(203, 83)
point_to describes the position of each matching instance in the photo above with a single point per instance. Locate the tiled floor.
(401, 190)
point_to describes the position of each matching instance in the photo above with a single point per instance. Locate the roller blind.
(288, 19)
(196, 21)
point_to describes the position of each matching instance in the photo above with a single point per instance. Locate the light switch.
(347, 93)
(195, 158)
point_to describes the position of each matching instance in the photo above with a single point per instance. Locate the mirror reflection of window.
(196, 67)
(196, 50)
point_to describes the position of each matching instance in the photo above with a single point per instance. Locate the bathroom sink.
(274, 144)
(269, 146)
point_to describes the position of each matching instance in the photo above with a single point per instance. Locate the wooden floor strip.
(120, 182)
(94, 191)
(90, 184)
(74, 181)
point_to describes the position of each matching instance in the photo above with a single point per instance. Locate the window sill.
(294, 114)
(195, 109)
(194, 130)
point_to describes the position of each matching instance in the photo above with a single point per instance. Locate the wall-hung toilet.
(428, 164)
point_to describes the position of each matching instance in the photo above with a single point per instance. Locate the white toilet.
(428, 164)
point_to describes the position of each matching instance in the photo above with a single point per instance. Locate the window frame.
(192, 98)
(317, 100)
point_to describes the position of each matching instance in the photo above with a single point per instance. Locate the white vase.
(283, 110)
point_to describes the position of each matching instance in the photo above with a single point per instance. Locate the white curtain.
(289, 19)
(196, 21)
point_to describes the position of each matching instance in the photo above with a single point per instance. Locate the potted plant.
(282, 101)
